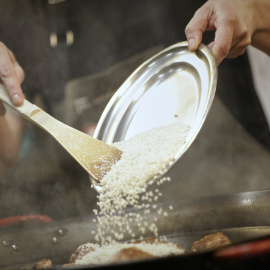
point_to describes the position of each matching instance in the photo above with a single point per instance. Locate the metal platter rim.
(110, 118)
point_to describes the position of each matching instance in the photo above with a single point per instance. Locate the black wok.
(243, 217)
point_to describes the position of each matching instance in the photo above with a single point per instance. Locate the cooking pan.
(243, 217)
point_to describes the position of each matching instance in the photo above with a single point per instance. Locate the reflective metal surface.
(241, 216)
(174, 84)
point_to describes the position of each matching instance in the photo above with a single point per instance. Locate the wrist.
(260, 38)
(261, 15)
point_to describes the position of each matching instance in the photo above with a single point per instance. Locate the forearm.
(261, 36)
(11, 126)
(11, 131)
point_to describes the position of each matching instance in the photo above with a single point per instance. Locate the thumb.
(196, 27)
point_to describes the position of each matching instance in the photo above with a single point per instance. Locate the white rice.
(106, 253)
(144, 156)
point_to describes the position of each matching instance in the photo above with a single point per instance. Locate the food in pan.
(43, 264)
(148, 248)
(211, 241)
(118, 252)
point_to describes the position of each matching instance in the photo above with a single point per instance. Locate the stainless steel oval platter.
(173, 84)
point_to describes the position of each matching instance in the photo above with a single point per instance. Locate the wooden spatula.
(95, 156)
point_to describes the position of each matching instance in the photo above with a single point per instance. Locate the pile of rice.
(110, 253)
(145, 156)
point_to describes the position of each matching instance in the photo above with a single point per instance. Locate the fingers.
(238, 49)
(196, 27)
(223, 38)
(11, 75)
(18, 69)
(206, 18)
(231, 39)
(232, 21)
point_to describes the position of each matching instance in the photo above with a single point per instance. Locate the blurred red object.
(17, 220)
(249, 249)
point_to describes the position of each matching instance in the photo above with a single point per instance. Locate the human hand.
(11, 76)
(234, 21)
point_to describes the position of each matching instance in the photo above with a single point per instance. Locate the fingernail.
(191, 44)
(17, 100)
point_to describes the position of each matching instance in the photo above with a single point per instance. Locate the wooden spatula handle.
(27, 108)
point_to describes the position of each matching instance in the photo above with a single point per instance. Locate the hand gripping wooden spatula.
(95, 156)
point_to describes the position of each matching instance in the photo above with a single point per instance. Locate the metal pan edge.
(200, 66)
